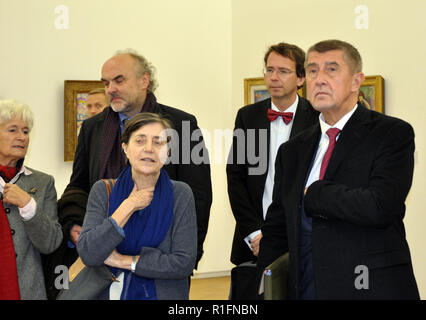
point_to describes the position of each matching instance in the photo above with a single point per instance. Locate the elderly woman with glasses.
(28, 214)
(145, 231)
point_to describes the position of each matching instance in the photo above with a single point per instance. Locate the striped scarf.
(112, 158)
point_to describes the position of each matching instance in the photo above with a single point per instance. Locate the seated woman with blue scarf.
(146, 230)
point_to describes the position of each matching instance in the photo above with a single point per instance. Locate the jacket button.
(7, 210)
(13, 232)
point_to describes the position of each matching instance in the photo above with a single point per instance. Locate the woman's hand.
(137, 200)
(114, 259)
(140, 199)
(118, 260)
(16, 196)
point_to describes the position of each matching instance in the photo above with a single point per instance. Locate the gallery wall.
(188, 41)
(202, 51)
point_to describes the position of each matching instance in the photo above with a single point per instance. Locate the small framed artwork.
(371, 93)
(75, 96)
(255, 90)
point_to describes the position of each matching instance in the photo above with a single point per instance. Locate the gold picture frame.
(75, 93)
(255, 90)
(371, 92)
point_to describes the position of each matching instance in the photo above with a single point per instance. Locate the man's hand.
(75, 233)
(16, 196)
(255, 244)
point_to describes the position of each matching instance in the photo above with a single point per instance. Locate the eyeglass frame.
(281, 72)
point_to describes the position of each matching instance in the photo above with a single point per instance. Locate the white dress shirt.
(323, 145)
(279, 133)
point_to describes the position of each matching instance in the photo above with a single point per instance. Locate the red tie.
(287, 116)
(332, 134)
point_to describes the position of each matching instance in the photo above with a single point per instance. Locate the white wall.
(189, 42)
(393, 46)
(203, 50)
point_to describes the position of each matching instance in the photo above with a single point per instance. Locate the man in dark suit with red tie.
(339, 193)
(260, 129)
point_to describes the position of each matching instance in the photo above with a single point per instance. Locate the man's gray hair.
(142, 66)
(10, 109)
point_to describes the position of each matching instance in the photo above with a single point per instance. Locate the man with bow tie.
(265, 126)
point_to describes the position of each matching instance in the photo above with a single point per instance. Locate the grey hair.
(142, 66)
(10, 109)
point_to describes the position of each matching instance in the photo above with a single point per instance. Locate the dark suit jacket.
(245, 189)
(86, 170)
(357, 209)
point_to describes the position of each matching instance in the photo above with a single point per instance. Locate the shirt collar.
(339, 124)
(122, 117)
(292, 108)
(23, 170)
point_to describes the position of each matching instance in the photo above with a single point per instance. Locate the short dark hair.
(140, 120)
(290, 51)
(350, 53)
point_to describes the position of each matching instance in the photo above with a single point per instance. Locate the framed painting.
(371, 93)
(255, 90)
(75, 96)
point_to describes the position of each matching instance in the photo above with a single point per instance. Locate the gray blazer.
(41, 234)
(169, 265)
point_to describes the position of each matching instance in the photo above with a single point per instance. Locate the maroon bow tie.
(287, 116)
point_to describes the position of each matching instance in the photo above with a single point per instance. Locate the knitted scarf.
(145, 228)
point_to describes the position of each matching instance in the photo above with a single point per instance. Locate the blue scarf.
(145, 228)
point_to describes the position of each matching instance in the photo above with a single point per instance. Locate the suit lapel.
(303, 154)
(352, 135)
(262, 119)
(28, 183)
(262, 122)
(302, 118)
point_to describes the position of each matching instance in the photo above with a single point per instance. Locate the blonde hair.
(97, 90)
(10, 109)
